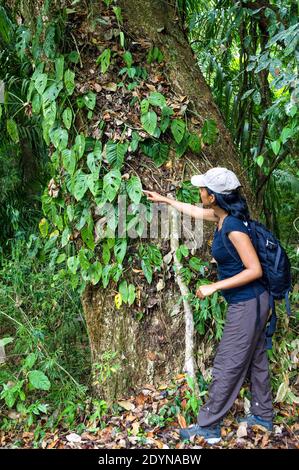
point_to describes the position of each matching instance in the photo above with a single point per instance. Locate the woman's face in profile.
(204, 196)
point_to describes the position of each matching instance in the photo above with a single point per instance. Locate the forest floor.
(142, 424)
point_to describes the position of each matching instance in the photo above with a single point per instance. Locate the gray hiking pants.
(241, 351)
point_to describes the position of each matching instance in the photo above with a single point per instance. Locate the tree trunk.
(151, 349)
(147, 340)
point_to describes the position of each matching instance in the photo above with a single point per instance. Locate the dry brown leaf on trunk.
(140, 399)
(181, 421)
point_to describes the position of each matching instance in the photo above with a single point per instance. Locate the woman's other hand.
(205, 290)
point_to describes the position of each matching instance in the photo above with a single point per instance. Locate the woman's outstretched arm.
(184, 207)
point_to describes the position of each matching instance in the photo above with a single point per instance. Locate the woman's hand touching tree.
(154, 196)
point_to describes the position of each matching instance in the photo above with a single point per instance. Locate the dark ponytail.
(234, 203)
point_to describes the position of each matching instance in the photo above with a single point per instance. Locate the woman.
(242, 349)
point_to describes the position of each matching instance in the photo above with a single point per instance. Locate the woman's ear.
(212, 199)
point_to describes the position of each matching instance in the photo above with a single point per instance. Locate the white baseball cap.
(218, 179)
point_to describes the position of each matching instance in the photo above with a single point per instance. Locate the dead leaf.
(127, 405)
(163, 387)
(52, 444)
(181, 421)
(88, 436)
(111, 86)
(150, 87)
(135, 428)
(160, 285)
(180, 376)
(97, 87)
(13, 414)
(73, 437)
(140, 399)
(265, 440)
(242, 430)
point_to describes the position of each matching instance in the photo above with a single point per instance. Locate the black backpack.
(276, 270)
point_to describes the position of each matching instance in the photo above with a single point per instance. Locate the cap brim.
(198, 180)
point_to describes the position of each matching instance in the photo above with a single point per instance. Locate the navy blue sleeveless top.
(228, 266)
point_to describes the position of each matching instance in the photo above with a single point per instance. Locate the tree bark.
(151, 350)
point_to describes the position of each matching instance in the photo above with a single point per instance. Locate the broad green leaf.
(49, 113)
(127, 56)
(61, 258)
(39, 380)
(59, 138)
(276, 146)
(147, 270)
(72, 264)
(59, 67)
(194, 143)
(95, 271)
(259, 160)
(134, 189)
(120, 249)
(178, 129)
(41, 82)
(157, 99)
(65, 236)
(144, 105)
(111, 184)
(70, 212)
(149, 122)
(43, 227)
(93, 183)
(12, 130)
(209, 131)
(36, 103)
(247, 93)
(132, 294)
(79, 145)
(51, 93)
(115, 153)
(67, 116)
(158, 152)
(29, 361)
(183, 145)
(69, 81)
(84, 262)
(104, 60)
(106, 274)
(69, 160)
(123, 290)
(106, 255)
(286, 133)
(90, 100)
(88, 237)
(49, 42)
(184, 250)
(80, 185)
